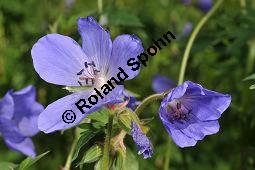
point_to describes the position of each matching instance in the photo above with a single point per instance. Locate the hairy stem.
(100, 6)
(106, 154)
(147, 101)
(192, 38)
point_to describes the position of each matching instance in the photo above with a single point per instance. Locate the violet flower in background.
(187, 29)
(204, 5)
(143, 143)
(161, 84)
(19, 113)
(60, 60)
(186, 2)
(190, 112)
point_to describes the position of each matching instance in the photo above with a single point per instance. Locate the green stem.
(167, 158)
(192, 38)
(100, 6)
(147, 101)
(70, 155)
(107, 142)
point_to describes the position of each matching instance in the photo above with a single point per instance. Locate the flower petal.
(27, 110)
(125, 47)
(96, 42)
(7, 106)
(177, 92)
(26, 147)
(206, 104)
(50, 119)
(57, 59)
(178, 136)
(9, 130)
(197, 129)
(162, 83)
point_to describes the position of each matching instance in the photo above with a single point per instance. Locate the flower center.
(90, 76)
(177, 111)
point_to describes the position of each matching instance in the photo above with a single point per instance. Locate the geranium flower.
(142, 142)
(190, 112)
(60, 60)
(161, 84)
(18, 119)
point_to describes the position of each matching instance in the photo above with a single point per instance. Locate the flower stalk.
(192, 38)
(106, 153)
(147, 101)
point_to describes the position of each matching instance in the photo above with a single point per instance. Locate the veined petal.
(27, 110)
(96, 42)
(125, 47)
(206, 104)
(197, 129)
(26, 146)
(6, 106)
(179, 138)
(57, 59)
(51, 119)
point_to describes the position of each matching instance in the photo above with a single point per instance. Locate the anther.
(178, 105)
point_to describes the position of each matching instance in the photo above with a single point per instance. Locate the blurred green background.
(222, 56)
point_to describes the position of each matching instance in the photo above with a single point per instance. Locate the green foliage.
(7, 166)
(84, 138)
(91, 155)
(28, 162)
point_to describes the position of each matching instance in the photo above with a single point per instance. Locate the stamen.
(91, 72)
(178, 105)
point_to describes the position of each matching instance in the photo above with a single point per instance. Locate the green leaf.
(100, 116)
(7, 166)
(86, 126)
(25, 164)
(91, 155)
(131, 162)
(85, 137)
(250, 77)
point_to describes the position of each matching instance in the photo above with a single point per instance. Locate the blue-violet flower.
(18, 119)
(190, 112)
(60, 60)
